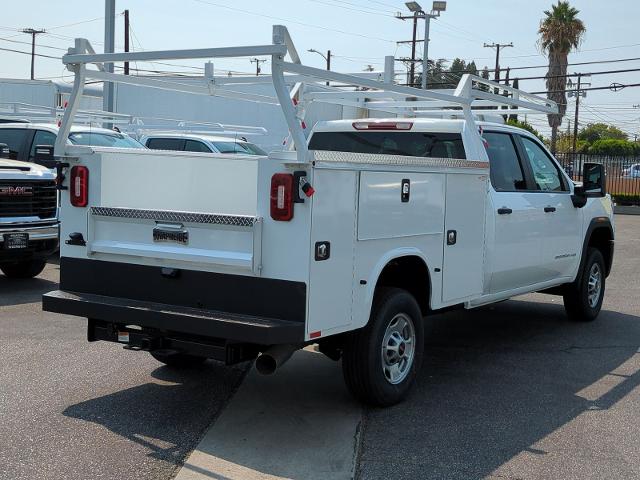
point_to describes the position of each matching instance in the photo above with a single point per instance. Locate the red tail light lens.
(79, 186)
(282, 197)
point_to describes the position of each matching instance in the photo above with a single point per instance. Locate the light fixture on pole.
(436, 8)
(327, 57)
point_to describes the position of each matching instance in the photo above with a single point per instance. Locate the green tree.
(612, 146)
(525, 126)
(601, 131)
(560, 32)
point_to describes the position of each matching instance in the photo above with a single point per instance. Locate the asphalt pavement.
(70, 409)
(517, 391)
(512, 390)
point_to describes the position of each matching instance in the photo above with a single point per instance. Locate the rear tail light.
(382, 125)
(282, 197)
(79, 186)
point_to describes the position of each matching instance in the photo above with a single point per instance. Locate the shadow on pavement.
(495, 382)
(166, 418)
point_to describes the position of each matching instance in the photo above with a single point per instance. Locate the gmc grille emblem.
(16, 191)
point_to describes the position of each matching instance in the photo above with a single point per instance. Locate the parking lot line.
(299, 423)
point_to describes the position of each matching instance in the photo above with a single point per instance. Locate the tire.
(24, 269)
(371, 354)
(583, 298)
(178, 360)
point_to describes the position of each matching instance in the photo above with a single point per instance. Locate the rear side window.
(504, 167)
(166, 144)
(14, 138)
(196, 146)
(411, 144)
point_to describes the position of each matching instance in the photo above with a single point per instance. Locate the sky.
(358, 33)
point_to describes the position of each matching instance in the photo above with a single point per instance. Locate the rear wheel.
(381, 361)
(24, 269)
(178, 360)
(583, 298)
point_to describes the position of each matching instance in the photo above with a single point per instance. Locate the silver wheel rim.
(594, 287)
(398, 348)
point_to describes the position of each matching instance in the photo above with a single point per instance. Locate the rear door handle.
(504, 211)
(549, 209)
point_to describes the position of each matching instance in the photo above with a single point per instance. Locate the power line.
(310, 25)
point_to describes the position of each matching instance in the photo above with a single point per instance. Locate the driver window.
(504, 167)
(545, 173)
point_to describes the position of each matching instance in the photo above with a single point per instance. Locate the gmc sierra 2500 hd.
(347, 240)
(28, 217)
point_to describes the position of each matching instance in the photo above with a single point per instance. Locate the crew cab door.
(561, 225)
(515, 251)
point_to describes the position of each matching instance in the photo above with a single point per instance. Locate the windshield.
(102, 139)
(413, 144)
(238, 147)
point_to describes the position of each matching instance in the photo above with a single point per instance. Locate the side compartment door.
(463, 272)
(514, 254)
(331, 259)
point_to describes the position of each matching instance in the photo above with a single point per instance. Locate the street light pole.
(327, 57)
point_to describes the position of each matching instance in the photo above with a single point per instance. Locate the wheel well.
(601, 239)
(411, 274)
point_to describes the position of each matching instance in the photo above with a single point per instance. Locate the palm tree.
(560, 32)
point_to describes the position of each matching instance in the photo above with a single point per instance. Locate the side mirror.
(44, 156)
(594, 182)
(4, 150)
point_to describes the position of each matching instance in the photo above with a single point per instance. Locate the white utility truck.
(345, 241)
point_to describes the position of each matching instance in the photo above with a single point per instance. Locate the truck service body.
(346, 241)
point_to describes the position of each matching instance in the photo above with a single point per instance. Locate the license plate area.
(16, 241)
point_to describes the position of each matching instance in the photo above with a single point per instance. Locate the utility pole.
(578, 93)
(498, 46)
(412, 61)
(257, 61)
(126, 39)
(33, 34)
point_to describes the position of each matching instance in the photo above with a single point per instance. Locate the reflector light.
(382, 125)
(79, 186)
(282, 197)
(315, 334)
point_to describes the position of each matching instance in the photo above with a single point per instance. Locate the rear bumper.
(171, 318)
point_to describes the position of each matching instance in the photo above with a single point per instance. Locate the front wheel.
(583, 298)
(178, 360)
(381, 361)
(24, 269)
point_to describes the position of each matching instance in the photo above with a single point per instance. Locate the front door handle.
(504, 211)
(549, 209)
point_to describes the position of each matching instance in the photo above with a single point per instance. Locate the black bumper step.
(171, 318)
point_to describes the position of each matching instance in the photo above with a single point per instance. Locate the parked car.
(195, 142)
(23, 138)
(633, 171)
(28, 218)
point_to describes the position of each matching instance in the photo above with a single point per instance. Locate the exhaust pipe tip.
(266, 364)
(274, 357)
